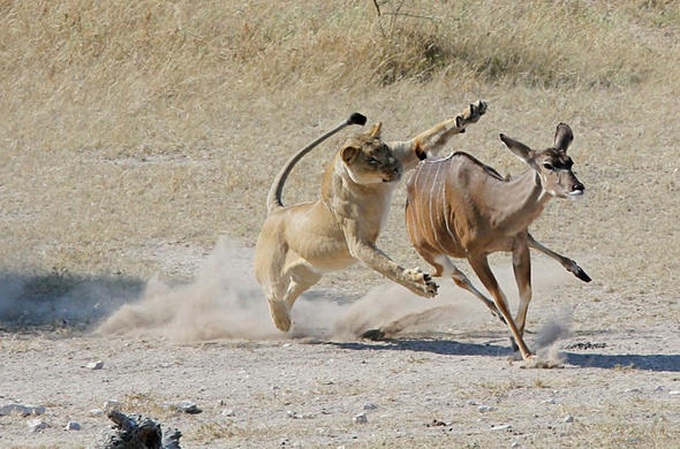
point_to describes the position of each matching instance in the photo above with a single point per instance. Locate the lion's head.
(369, 160)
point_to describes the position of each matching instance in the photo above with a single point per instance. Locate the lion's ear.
(375, 131)
(349, 154)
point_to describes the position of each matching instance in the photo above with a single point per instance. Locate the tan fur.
(297, 244)
(458, 207)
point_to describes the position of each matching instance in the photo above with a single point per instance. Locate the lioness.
(297, 244)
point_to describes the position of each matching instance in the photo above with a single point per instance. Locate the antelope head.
(553, 166)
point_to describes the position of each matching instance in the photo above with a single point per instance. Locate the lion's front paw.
(472, 114)
(422, 283)
(476, 110)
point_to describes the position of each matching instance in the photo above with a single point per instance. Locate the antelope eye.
(372, 161)
(547, 166)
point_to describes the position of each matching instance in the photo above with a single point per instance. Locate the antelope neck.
(519, 199)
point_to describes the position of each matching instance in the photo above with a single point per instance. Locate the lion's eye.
(548, 166)
(372, 161)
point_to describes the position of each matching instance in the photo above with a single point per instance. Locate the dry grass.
(164, 76)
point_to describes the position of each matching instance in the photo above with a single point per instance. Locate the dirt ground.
(447, 381)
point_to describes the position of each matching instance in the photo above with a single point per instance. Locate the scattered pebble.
(95, 365)
(228, 412)
(370, 406)
(111, 404)
(72, 425)
(568, 419)
(188, 407)
(506, 427)
(96, 412)
(361, 418)
(549, 401)
(485, 408)
(296, 415)
(515, 445)
(437, 423)
(674, 392)
(21, 409)
(586, 345)
(37, 425)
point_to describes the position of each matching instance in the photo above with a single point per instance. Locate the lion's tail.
(274, 197)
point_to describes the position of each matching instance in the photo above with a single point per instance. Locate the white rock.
(568, 419)
(188, 407)
(361, 418)
(36, 425)
(96, 412)
(674, 392)
(501, 427)
(370, 406)
(95, 365)
(72, 425)
(485, 408)
(228, 412)
(296, 415)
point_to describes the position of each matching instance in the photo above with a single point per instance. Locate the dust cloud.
(394, 310)
(226, 302)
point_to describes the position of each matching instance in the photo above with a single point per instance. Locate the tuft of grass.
(148, 404)
(208, 432)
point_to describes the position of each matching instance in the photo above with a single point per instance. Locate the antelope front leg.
(521, 265)
(480, 265)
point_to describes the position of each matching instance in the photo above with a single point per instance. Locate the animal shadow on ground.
(61, 299)
(435, 346)
(644, 362)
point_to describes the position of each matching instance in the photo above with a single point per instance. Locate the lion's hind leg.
(280, 313)
(281, 299)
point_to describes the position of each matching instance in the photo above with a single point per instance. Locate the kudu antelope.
(458, 207)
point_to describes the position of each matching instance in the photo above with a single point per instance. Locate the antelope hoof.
(582, 275)
(515, 348)
(496, 313)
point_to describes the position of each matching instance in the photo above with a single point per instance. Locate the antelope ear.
(375, 131)
(563, 137)
(518, 148)
(349, 154)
